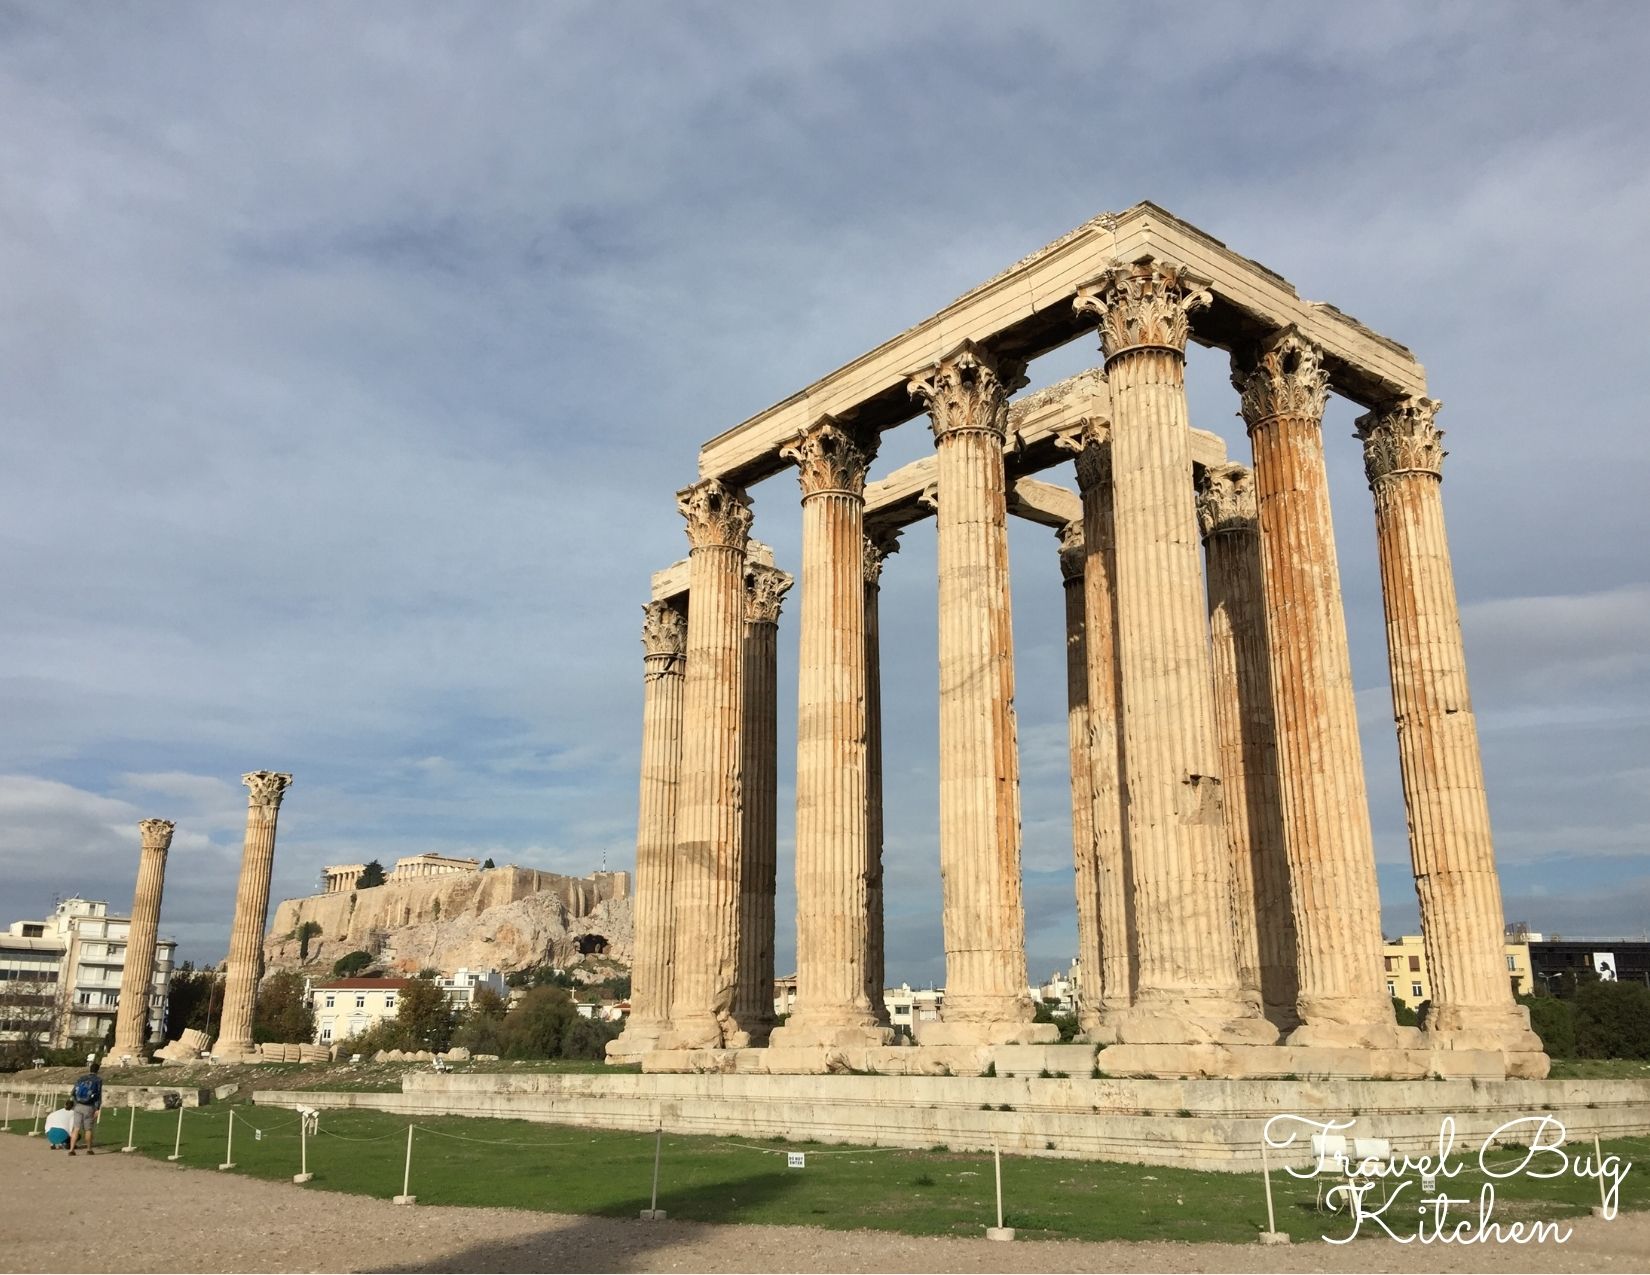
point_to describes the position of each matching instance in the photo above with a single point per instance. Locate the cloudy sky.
(350, 357)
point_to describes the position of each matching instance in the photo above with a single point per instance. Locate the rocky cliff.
(501, 918)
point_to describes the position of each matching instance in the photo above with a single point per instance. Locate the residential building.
(910, 1008)
(346, 1007)
(90, 947)
(1627, 961)
(462, 983)
(29, 967)
(1060, 992)
(1405, 960)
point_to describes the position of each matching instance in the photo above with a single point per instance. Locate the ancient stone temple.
(1228, 916)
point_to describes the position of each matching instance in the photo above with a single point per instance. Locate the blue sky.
(350, 357)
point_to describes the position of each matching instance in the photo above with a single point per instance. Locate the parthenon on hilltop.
(1229, 920)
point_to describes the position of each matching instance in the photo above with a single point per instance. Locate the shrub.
(1554, 1021)
(351, 964)
(1612, 1020)
(1403, 1013)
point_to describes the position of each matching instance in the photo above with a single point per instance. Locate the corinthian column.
(708, 817)
(765, 588)
(1113, 979)
(832, 845)
(1186, 984)
(1449, 817)
(1262, 922)
(986, 998)
(664, 637)
(1082, 797)
(138, 974)
(1343, 998)
(246, 939)
(878, 545)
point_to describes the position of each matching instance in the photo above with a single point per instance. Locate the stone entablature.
(1221, 832)
(415, 866)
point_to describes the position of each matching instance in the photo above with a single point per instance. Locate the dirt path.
(128, 1213)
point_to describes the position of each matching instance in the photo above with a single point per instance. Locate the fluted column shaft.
(137, 976)
(832, 843)
(1186, 984)
(1114, 985)
(664, 634)
(1337, 905)
(709, 821)
(984, 915)
(1262, 923)
(1462, 924)
(753, 998)
(1084, 858)
(246, 939)
(877, 549)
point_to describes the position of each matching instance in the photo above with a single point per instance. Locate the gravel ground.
(128, 1213)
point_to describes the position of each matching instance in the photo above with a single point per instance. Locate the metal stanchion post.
(1603, 1207)
(998, 1232)
(131, 1128)
(1271, 1235)
(653, 1213)
(406, 1196)
(35, 1132)
(229, 1153)
(303, 1174)
(177, 1142)
(8, 1111)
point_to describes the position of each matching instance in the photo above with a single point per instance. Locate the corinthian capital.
(967, 391)
(1071, 550)
(664, 630)
(1226, 500)
(717, 514)
(268, 787)
(877, 546)
(830, 456)
(156, 834)
(1143, 304)
(765, 589)
(1402, 439)
(1091, 442)
(1282, 376)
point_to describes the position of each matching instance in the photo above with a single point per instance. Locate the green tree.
(1554, 1021)
(371, 875)
(307, 931)
(535, 1027)
(1612, 1020)
(481, 1030)
(351, 964)
(424, 1016)
(587, 1038)
(283, 1013)
(191, 997)
(488, 864)
(1403, 1013)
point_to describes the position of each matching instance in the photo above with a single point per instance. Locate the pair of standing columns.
(137, 974)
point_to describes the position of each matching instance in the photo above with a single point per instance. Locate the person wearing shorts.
(88, 1105)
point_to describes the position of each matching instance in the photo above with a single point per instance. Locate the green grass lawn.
(518, 1164)
(1599, 1069)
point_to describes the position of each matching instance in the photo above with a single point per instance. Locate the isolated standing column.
(138, 974)
(1084, 858)
(1462, 924)
(765, 589)
(664, 660)
(246, 940)
(878, 545)
(986, 1001)
(1262, 921)
(708, 815)
(1186, 988)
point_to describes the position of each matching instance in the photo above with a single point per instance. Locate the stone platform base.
(1292, 1062)
(1201, 1124)
(878, 1060)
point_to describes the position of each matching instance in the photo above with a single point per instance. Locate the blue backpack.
(87, 1090)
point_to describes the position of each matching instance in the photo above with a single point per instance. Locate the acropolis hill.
(496, 918)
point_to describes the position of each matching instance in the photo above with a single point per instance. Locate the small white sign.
(1429, 1184)
(796, 1159)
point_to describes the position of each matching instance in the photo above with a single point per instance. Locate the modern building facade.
(1408, 979)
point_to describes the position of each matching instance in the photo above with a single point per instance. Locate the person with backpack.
(88, 1107)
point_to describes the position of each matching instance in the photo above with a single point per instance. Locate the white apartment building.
(462, 983)
(346, 1007)
(84, 984)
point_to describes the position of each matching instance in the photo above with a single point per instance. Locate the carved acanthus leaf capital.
(1091, 442)
(1402, 439)
(1143, 304)
(765, 589)
(664, 630)
(1226, 500)
(968, 390)
(1071, 551)
(267, 788)
(718, 515)
(156, 834)
(877, 546)
(1283, 376)
(831, 456)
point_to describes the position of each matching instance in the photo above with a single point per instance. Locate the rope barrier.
(497, 1142)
